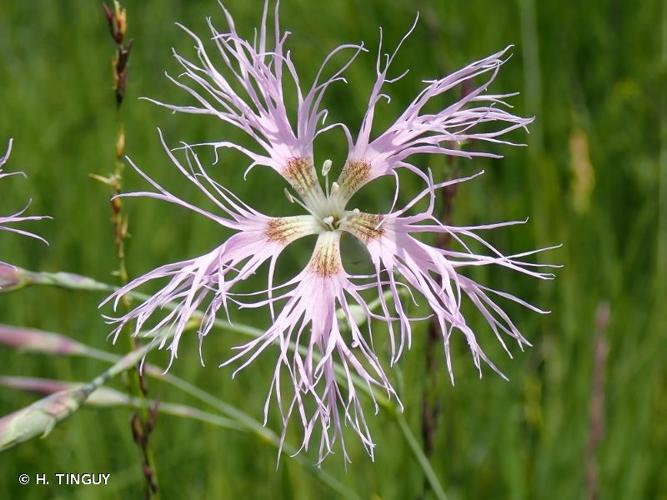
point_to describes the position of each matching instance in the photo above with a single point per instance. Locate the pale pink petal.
(437, 274)
(6, 221)
(457, 130)
(258, 108)
(309, 339)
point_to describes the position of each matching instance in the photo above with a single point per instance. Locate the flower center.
(326, 206)
(331, 222)
(329, 209)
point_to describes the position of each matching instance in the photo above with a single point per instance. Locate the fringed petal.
(310, 337)
(248, 93)
(18, 216)
(446, 132)
(436, 274)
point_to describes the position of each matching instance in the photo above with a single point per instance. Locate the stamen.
(293, 199)
(326, 166)
(329, 221)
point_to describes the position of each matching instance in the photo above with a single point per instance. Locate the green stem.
(418, 452)
(125, 363)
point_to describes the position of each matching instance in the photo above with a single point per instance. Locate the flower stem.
(421, 457)
(143, 421)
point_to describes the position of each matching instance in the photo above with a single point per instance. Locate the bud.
(103, 396)
(10, 278)
(39, 418)
(38, 385)
(26, 339)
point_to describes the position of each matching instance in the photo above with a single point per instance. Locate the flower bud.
(10, 278)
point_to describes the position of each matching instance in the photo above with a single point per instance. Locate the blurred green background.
(594, 177)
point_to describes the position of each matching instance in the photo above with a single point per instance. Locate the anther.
(335, 187)
(288, 195)
(326, 166)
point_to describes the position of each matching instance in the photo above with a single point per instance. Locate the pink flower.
(7, 221)
(317, 317)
